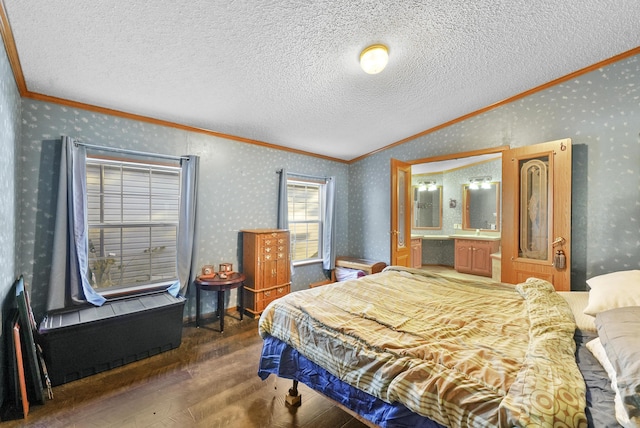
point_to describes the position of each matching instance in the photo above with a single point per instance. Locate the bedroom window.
(132, 215)
(306, 219)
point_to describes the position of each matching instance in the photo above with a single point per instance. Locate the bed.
(411, 348)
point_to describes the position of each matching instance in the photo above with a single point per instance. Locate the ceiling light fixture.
(374, 59)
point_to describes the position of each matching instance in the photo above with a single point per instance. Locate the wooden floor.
(209, 381)
(449, 271)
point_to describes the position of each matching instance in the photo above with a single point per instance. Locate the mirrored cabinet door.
(481, 207)
(427, 208)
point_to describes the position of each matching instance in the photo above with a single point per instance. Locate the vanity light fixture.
(476, 183)
(427, 185)
(374, 59)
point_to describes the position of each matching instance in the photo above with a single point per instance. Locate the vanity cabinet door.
(416, 253)
(474, 256)
(463, 260)
(481, 260)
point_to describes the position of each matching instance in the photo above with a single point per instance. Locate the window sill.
(306, 262)
(136, 290)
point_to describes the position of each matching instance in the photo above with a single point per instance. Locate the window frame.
(322, 189)
(143, 287)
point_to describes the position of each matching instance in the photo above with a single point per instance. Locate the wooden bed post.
(293, 399)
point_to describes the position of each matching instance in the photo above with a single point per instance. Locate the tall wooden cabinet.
(267, 265)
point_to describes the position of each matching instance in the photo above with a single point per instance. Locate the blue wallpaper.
(9, 137)
(599, 111)
(237, 187)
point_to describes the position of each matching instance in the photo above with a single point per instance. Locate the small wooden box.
(367, 266)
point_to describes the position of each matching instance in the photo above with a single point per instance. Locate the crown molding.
(616, 58)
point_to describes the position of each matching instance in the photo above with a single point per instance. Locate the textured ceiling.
(286, 72)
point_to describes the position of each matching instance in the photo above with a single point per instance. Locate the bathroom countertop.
(433, 237)
(479, 237)
(471, 235)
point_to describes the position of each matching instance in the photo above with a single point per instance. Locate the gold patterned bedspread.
(462, 353)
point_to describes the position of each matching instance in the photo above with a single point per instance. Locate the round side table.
(234, 280)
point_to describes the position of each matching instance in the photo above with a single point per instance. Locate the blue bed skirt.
(280, 359)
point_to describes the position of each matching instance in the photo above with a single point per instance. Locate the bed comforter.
(461, 353)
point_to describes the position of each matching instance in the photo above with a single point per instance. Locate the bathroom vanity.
(473, 254)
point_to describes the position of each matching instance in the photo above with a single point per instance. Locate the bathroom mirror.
(427, 207)
(481, 206)
(451, 175)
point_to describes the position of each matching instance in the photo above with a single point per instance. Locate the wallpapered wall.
(599, 111)
(238, 183)
(9, 137)
(237, 187)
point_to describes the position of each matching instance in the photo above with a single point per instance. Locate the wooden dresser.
(267, 266)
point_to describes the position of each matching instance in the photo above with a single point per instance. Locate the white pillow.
(596, 348)
(578, 300)
(613, 290)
